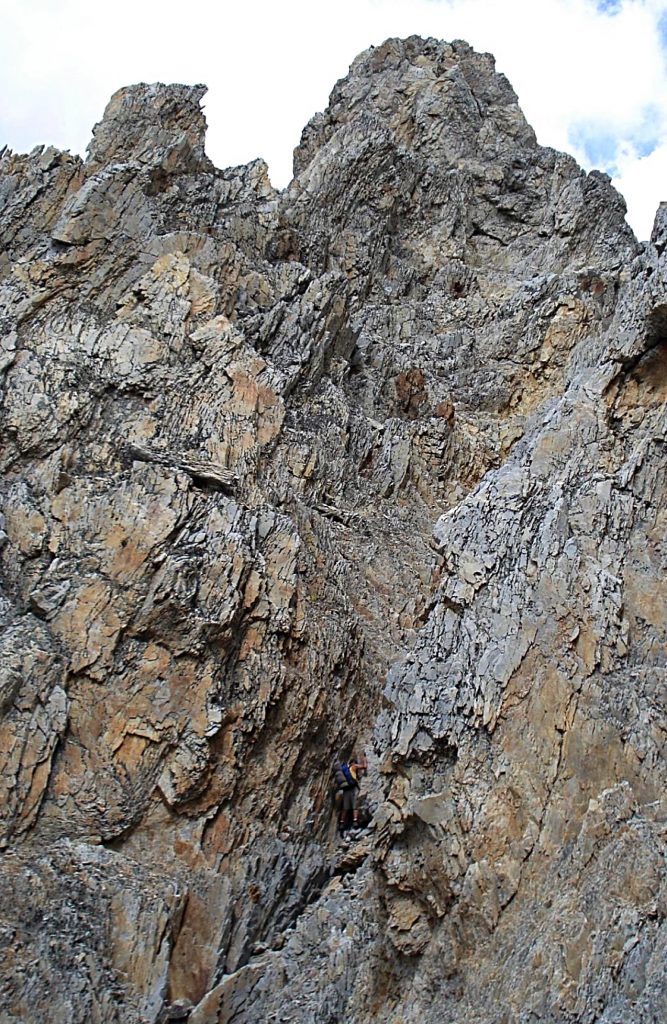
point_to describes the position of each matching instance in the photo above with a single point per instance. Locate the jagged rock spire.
(374, 463)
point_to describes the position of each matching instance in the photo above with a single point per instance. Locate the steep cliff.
(376, 462)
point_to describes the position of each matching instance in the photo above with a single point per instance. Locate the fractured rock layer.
(377, 461)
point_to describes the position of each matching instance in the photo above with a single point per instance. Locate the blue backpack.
(343, 777)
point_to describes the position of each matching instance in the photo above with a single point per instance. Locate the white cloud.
(270, 65)
(641, 180)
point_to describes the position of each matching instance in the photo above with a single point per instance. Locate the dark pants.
(348, 806)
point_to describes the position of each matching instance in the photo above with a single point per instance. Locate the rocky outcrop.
(377, 461)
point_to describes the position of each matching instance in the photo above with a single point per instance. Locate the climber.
(347, 775)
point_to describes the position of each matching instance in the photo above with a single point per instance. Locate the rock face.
(375, 462)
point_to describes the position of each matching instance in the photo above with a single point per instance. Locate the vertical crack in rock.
(376, 462)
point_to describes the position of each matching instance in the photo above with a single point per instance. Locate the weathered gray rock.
(377, 461)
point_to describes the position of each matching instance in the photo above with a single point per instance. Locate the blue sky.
(591, 75)
(602, 147)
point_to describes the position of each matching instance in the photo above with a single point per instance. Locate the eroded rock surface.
(377, 461)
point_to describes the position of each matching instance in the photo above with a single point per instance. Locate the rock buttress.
(376, 461)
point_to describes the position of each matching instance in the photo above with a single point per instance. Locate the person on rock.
(347, 776)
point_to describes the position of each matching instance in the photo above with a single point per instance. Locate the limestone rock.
(373, 463)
